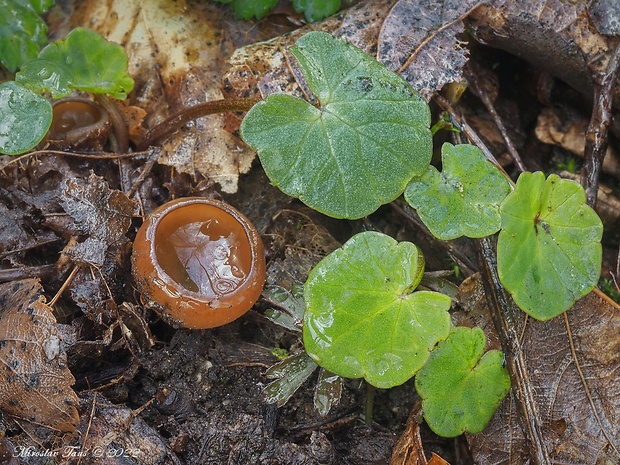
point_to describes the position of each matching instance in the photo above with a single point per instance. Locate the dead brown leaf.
(556, 36)
(175, 56)
(572, 364)
(102, 214)
(114, 435)
(420, 40)
(409, 449)
(35, 384)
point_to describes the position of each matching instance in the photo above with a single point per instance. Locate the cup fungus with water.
(199, 263)
(78, 123)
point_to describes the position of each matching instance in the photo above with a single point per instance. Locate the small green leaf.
(460, 390)
(84, 61)
(248, 9)
(359, 148)
(549, 250)
(25, 118)
(363, 318)
(327, 392)
(290, 306)
(462, 200)
(290, 374)
(22, 31)
(315, 10)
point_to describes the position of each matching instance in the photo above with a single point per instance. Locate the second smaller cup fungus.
(78, 123)
(199, 263)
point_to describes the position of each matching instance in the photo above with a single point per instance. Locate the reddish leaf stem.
(178, 120)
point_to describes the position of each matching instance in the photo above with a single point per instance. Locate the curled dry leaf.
(572, 365)
(409, 449)
(35, 384)
(557, 36)
(175, 54)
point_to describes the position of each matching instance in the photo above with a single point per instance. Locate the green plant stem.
(370, 403)
(178, 120)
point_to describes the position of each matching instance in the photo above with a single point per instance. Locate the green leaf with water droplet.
(22, 31)
(327, 392)
(84, 61)
(25, 118)
(289, 306)
(549, 250)
(460, 387)
(358, 148)
(462, 200)
(290, 374)
(363, 316)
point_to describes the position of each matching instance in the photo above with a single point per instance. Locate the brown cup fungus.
(78, 123)
(199, 263)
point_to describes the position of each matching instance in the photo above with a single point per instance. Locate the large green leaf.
(359, 148)
(460, 388)
(83, 60)
(462, 200)
(549, 250)
(25, 118)
(22, 31)
(363, 318)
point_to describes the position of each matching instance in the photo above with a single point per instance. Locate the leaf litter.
(572, 363)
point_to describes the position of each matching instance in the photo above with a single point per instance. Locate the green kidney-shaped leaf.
(461, 388)
(359, 148)
(462, 200)
(22, 31)
(362, 317)
(83, 60)
(549, 250)
(25, 118)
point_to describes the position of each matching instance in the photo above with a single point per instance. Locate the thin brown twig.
(505, 316)
(90, 422)
(596, 135)
(474, 83)
(64, 286)
(155, 154)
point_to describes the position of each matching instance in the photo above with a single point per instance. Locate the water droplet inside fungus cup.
(199, 263)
